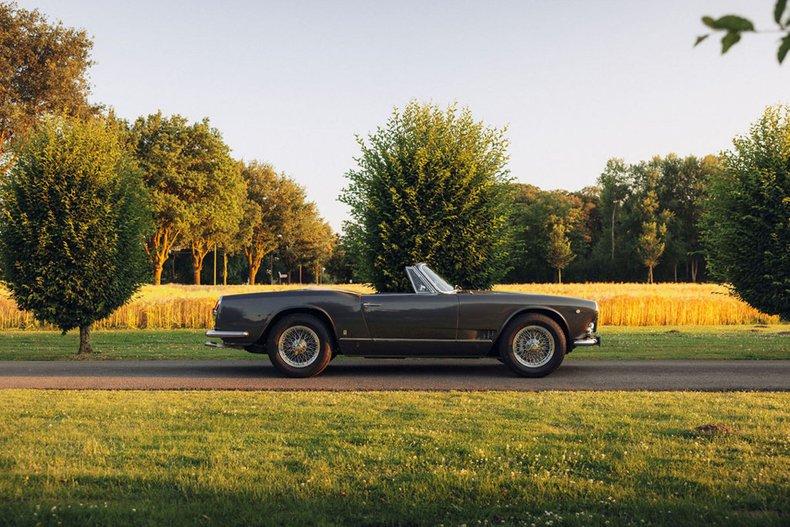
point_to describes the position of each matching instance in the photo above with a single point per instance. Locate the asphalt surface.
(406, 374)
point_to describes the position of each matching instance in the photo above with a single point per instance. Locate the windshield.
(437, 281)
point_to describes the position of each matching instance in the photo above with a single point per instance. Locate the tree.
(42, 70)
(196, 188)
(560, 253)
(432, 185)
(652, 240)
(74, 220)
(273, 207)
(160, 148)
(746, 224)
(536, 212)
(733, 27)
(340, 264)
(218, 202)
(314, 241)
(615, 186)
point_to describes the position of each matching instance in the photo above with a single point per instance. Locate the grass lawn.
(296, 458)
(683, 342)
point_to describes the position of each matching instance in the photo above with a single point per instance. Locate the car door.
(421, 323)
(411, 316)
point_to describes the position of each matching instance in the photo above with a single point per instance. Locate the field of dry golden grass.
(187, 306)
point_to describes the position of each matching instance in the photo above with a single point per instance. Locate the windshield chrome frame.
(419, 268)
(413, 269)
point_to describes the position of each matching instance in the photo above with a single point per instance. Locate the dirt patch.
(713, 429)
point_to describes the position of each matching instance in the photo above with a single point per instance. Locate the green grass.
(690, 342)
(296, 458)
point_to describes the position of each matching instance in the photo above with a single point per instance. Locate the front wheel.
(299, 345)
(533, 345)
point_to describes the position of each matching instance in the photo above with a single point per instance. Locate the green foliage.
(747, 217)
(197, 192)
(733, 26)
(652, 240)
(42, 69)
(673, 184)
(560, 253)
(536, 214)
(278, 217)
(74, 218)
(220, 197)
(431, 185)
(340, 265)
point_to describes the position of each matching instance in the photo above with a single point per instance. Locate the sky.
(292, 83)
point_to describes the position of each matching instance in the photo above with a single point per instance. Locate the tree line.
(640, 222)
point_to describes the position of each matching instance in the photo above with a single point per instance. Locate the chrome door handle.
(370, 304)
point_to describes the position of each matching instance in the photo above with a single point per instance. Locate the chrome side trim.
(588, 341)
(415, 340)
(218, 334)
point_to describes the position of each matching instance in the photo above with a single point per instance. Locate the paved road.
(425, 374)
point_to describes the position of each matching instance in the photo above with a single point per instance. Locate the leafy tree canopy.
(431, 185)
(73, 222)
(42, 69)
(747, 217)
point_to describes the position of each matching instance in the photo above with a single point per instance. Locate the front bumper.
(588, 340)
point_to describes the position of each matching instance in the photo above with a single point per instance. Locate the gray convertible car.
(303, 330)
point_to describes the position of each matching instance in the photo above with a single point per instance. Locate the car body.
(434, 320)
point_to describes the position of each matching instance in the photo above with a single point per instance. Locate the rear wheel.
(533, 345)
(299, 345)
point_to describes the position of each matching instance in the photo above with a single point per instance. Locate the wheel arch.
(315, 311)
(546, 311)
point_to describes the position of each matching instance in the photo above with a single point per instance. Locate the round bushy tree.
(431, 185)
(746, 225)
(74, 219)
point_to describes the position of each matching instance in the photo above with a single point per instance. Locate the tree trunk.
(158, 266)
(215, 264)
(85, 340)
(649, 274)
(197, 266)
(253, 265)
(694, 269)
(559, 276)
(199, 251)
(158, 248)
(253, 272)
(613, 209)
(676, 271)
(224, 267)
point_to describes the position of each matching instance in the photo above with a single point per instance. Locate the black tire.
(296, 323)
(549, 329)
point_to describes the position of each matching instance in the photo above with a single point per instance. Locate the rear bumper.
(218, 334)
(590, 340)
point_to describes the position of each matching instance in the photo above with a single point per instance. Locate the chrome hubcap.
(298, 346)
(533, 346)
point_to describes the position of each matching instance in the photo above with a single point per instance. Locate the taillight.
(215, 309)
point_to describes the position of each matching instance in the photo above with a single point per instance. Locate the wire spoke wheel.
(533, 346)
(299, 346)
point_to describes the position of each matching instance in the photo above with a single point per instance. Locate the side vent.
(486, 334)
